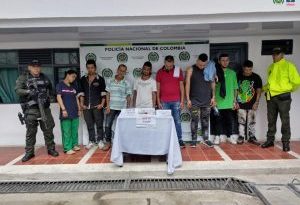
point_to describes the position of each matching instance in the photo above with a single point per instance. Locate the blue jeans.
(110, 117)
(175, 109)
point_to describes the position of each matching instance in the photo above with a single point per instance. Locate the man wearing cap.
(34, 86)
(170, 92)
(283, 78)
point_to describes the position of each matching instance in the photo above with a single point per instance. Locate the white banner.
(109, 57)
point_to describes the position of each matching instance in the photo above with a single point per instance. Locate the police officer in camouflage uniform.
(32, 87)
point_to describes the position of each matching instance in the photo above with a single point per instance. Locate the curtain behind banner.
(8, 77)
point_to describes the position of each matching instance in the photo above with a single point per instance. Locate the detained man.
(170, 92)
(200, 94)
(92, 102)
(117, 98)
(144, 89)
(249, 92)
(225, 124)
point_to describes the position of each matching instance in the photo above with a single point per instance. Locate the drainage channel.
(295, 186)
(163, 184)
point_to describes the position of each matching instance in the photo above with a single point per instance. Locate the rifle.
(41, 99)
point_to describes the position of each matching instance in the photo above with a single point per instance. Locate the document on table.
(146, 121)
(163, 113)
(129, 112)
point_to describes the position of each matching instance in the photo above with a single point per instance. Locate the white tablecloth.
(160, 140)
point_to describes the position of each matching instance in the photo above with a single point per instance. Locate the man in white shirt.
(144, 94)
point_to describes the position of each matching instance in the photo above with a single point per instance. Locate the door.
(238, 53)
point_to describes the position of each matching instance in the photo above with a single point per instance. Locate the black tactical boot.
(27, 157)
(267, 144)
(53, 152)
(286, 146)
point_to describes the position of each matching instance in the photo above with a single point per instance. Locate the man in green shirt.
(226, 92)
(283, 78)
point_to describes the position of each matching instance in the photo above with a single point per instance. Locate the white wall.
(15, 9)
(12, 133)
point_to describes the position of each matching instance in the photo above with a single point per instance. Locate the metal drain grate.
(229, 184)
(295, 186)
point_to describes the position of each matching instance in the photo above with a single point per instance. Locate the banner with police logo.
(109, 56)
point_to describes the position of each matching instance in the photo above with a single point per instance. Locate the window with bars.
(15, 62)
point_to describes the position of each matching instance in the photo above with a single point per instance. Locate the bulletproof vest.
(41, 86)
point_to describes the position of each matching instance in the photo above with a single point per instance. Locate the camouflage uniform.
(31, 110)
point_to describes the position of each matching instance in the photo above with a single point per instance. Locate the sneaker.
(201, 140)
(193, 144)
(106, 146)
(254, 141)
(208, 143)
(223, 138)
(217, 140)
(240, 140)
(70, 152)
(233, 139)
(181, 144)
(101, 144)
(212, 138)
(76, 148)
(90, 145)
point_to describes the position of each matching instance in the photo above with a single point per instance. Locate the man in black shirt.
(92, 102)
(200, 94)
(249, 92)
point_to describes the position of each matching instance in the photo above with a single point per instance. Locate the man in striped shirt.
(117, 98)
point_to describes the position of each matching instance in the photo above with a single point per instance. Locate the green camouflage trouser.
(274, 106)
(32, 122)
(202, 114)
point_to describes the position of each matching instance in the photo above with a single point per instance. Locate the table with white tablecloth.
(160, 139)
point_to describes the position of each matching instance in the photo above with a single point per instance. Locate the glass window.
(8, 58)
(8, 77)
(48, 71)
(12, 64)
(66, 58)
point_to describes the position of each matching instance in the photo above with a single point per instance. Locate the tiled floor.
(42, 157)
(253, 152)
(8, 154)
(200, 153)
(295, 147)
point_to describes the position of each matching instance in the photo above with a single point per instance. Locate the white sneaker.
(223, 138)
(70, 152)
(212, 138)
(201, 140)
(233, 139)
(76, 148)
(217, 140)
(90, 145)
(101, 144)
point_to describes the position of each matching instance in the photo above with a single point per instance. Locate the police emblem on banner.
(185, 117)
(107, 73)
(184, 56)
(153, 57)
(278, 1)
(137, 72)
(91, 56)
(122, 57)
